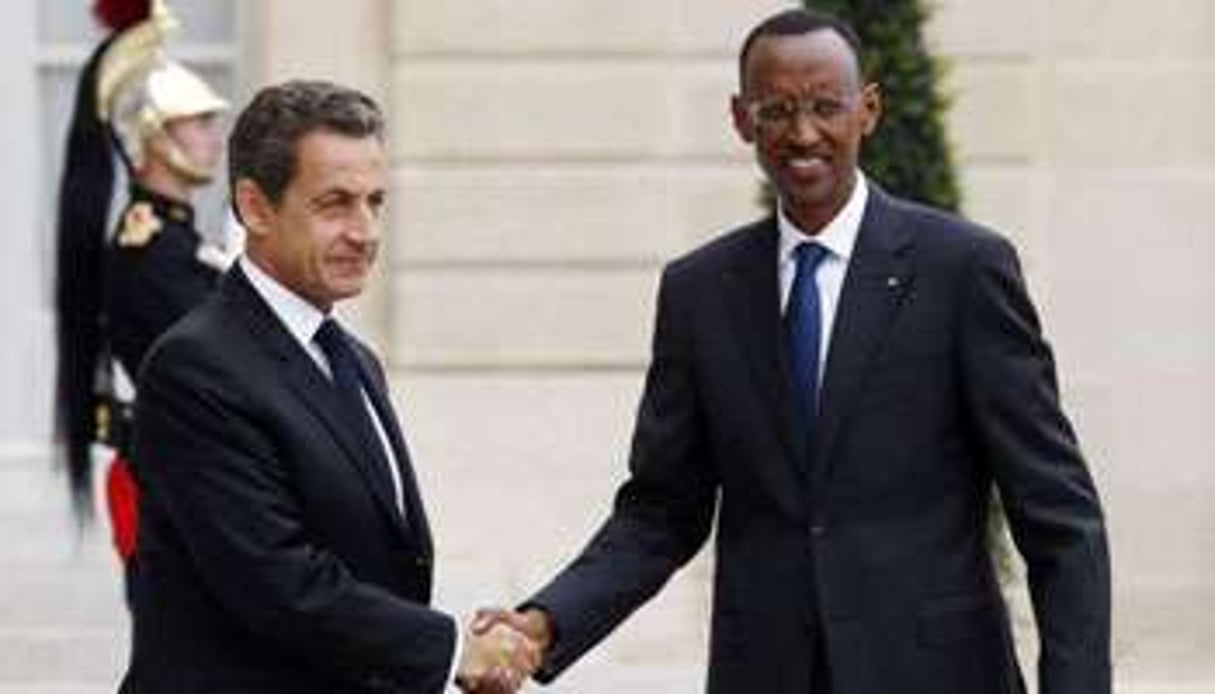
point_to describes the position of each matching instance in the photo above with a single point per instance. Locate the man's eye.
(828, 108)
(777, 110)
(331, 203)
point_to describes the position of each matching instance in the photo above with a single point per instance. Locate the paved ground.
(62, 621)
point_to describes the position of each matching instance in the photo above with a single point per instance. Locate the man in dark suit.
(284, 544)
(841, 384)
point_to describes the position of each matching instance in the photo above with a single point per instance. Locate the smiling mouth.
(352, 263)
(807, 165)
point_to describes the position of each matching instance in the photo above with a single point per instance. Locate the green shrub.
(909, 154)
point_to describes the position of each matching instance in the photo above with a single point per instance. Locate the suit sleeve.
(662, 513)
(212, 465)
(1052, 506)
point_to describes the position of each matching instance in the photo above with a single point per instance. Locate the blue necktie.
(803, 330)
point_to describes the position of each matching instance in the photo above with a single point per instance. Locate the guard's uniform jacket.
(153, 273)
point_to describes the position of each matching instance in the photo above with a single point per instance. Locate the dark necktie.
(348, 380)
(803, 330)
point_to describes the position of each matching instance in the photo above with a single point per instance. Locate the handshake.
(502, 649)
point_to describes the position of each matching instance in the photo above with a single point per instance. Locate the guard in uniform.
(138, 112)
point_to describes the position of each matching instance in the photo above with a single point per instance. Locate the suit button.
(818, 530)
(422, 562)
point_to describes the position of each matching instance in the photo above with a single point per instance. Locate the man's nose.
(364, 223)
(804, 129)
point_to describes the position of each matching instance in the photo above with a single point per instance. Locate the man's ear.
(743, 125)
(871, 102)
(254, 208)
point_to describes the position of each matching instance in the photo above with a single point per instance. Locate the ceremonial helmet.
(140, 89)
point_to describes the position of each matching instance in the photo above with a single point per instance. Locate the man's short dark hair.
(796, 22)
(262, 146)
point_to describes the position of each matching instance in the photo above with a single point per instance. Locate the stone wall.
(550, 156)
(1081, 126)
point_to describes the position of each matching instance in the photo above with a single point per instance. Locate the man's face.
(320, 240)
(805, 110)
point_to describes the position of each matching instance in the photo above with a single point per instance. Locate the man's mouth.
(809, 165)
(354, 263)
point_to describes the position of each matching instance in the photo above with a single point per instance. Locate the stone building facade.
(548, 156)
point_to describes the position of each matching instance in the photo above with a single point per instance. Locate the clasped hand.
(502, 649)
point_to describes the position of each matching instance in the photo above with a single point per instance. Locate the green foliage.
(909, 154)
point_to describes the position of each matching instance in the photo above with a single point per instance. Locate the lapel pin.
(892, 282)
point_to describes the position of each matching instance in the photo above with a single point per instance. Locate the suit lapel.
(754, 298)
(364, 455)
(880, 275)
(314, 390)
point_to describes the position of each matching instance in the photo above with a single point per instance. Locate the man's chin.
(342, 287)
(349, 290)
(801, 197)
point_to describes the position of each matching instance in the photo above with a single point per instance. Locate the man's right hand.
(532, 622)
(497, 658)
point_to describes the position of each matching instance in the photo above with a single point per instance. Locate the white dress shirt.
(302, 320)
(839, 238)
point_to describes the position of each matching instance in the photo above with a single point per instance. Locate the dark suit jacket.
(270, 559)
(938, 383)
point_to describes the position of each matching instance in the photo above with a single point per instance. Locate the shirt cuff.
(457, 653)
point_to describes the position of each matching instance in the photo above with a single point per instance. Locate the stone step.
(61, 597)
(75, 659)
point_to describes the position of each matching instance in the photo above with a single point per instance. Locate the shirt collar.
(301, 318)
(839, 236)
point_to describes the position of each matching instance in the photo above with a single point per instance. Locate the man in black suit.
(841, 384)
(284, 545)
